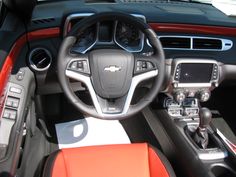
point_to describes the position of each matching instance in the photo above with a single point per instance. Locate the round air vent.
(40, 59)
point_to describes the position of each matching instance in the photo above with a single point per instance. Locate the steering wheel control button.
(139, 66)
(143, 66)
(139, 63)
(73, 65)
(80, 66)
(85, 66)
(149, 65)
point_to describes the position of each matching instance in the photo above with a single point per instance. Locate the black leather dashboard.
(53, 14)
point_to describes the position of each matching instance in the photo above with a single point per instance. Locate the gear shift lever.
(201, 135)
(205, 117)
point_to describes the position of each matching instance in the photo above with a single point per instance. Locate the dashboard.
(189, 32)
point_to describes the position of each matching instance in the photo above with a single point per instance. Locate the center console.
(191, 82)
(193, 78)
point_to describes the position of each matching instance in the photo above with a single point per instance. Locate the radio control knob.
(179, 96)
(215, 84)
(175, 85)
(204, 95)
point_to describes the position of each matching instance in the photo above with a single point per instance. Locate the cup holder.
(223, 171)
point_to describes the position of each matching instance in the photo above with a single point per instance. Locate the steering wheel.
(111, 75)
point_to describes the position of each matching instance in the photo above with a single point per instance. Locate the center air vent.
(40, 59)
(175, 42)
(195, 43)
(204, 43)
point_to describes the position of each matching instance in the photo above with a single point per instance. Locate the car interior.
(101, 88)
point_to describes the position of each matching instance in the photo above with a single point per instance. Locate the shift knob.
(205, 117)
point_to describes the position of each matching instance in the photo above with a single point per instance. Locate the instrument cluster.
(106, 33)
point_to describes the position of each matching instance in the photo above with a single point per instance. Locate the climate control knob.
(179, 96)
(204, 95)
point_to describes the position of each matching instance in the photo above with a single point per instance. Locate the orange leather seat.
(131, 160)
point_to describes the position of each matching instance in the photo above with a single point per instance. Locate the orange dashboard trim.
(195, 29)
(44, 33)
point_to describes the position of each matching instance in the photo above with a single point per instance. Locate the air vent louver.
(176, 42)
(40, 59)
(204, 43)
(44, 20)
(195, 43)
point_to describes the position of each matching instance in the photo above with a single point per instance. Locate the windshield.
(200, 1)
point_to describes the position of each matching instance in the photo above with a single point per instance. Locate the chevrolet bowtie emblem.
(112, 69)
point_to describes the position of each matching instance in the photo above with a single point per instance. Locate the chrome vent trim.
(223, 44)
(40, 59)
(71, 17)
(141, 17)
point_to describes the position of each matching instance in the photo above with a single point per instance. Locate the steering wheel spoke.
(104, 107)
(85, 79)
(120, 106)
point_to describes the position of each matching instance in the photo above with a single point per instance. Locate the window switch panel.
(9, 114)
(12, 102)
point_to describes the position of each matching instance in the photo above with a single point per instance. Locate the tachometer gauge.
(86, 39)
(128, 37)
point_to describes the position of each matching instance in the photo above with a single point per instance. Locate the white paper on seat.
(90, 131)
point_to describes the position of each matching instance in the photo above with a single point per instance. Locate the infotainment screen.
(195, 72)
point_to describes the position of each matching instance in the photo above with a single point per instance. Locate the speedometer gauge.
(128, 37)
